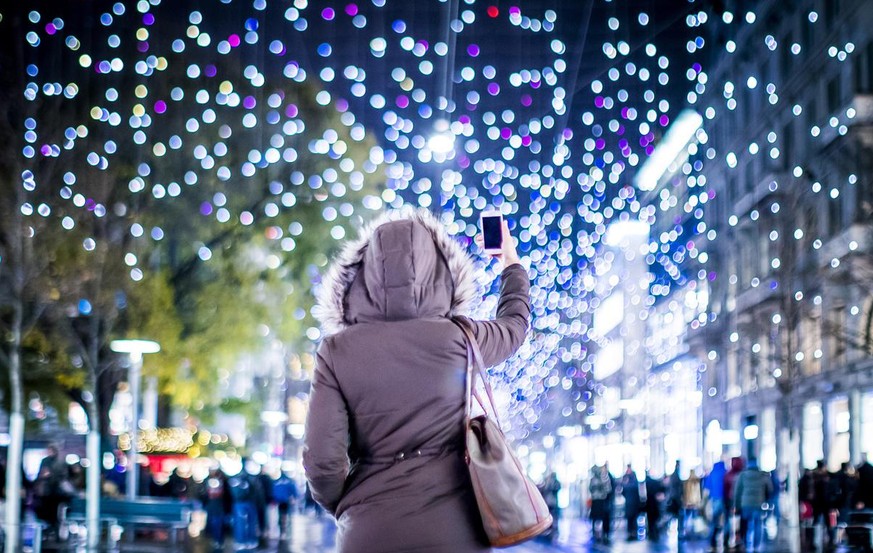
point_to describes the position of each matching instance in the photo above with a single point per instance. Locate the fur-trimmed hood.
(403, 265)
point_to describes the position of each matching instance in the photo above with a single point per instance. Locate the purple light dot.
(505, 133)
(650, 150)
(712, 276)
(620, 131)
(45, 150)
(600, 144)
(210, 70)
(514, 10)
(464, 162)
(473, 50)
(291, 110)
(148, 19)
(402, 101)
(233, 40)
(142, 47)
(664, 120)
(624, 112)
(526, 100)
(493, 89)
(598, 101)
(249, 102)
(535, 84)
(464, 119)
(160, 106)
(90, 204)
(341, 105)
(526, 140)
(568, 134)
(51, 29)
(328, 14)
(205, 208)
(622, 144)
(352, 10)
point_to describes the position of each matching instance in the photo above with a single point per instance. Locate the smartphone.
(492, 231)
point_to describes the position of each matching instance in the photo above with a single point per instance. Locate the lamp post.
(135, 349)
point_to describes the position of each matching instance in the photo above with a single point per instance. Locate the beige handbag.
(513, 509)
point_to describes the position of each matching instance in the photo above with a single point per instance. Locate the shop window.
(839, 426)
(812, 435)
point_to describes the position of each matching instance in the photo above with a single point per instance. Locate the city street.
(317, 535)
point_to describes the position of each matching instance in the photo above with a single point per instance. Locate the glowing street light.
(135, 349)
(443, 140)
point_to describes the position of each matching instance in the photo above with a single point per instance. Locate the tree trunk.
(16, 416)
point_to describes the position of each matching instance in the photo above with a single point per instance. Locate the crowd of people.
(236, 505)
(728, 506)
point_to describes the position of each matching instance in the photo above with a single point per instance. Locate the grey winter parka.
(384, 439)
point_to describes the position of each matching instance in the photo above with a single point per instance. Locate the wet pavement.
(311, 534)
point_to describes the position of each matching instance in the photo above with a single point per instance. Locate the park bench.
(153, 513)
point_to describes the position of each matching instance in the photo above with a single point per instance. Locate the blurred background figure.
(630, 490)
(601, 489)
(217, 503)
(753, 487)
(655, 495)
(714, 485)
(676, 499)
(286, 495)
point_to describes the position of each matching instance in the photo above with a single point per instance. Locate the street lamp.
(135, 349)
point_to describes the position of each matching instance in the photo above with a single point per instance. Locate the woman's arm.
(500, 338)
(326, 442)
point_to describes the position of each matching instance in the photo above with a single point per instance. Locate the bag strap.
(475, 365)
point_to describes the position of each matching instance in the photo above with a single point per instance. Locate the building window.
(834, 94)
(812, 435)
(837, 331)
(839, 426)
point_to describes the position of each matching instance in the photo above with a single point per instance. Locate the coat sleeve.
(326, 441)
(500, 338)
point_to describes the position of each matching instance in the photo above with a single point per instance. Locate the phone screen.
(492, 233)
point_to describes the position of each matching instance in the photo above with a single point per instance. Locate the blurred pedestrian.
(864, 499)
(601, 492)
(753, 487)
(244, 514)
(217, 503)
(285, 494)
(676, 499)
(630, 490)
(843, 491)
(655, 495)
(692, 497)
(822, 502)
(714, 485)
(52, 489)
(388, 388)
(733, 517)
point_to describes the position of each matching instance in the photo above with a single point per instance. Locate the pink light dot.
(51, 29)
(493, 89)
(328, 14)
(291, 110)
(402, 101)
(233, 40)
(526, 100)
(352, 10)
(160, 106)
(664, 120)
(505, 133)
(526, 140)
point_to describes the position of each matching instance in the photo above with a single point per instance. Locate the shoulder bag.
(512, 508)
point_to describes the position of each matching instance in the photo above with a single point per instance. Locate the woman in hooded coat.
(384, 443)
